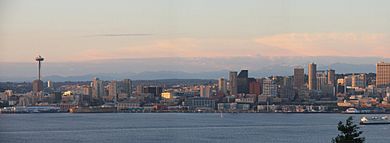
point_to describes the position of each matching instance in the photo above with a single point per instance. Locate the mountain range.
(180, 68)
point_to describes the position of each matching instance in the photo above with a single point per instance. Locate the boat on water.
(375, 120)
(371, 110)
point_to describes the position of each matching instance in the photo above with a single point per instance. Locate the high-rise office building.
(287, 89)
(222, 86)
(242, 82)
(269, 88)
(205, 91)
(299, 77)
(322, 80)
(359, 80)
(127, 87)
(382, 75)
(154, 90)
(87, 90)
(49, 84)
(332, 77)
(233, 82)
(254, 86)
(312, 73)
(113, 90)
(139, 89)
(97, 88)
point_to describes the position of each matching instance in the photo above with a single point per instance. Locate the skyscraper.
(383, 74)
(254, 86)
(287, 90)
(242, 82)
(269, 88)
(154, 90)
(113, 90)
(359, 80)
(127, 86)
(49, 84)
(299, 77)
(222, 86)
(233, 82)
(322, 80)
(97, 88)
(332, 77)
(312, 72)
(205, 91)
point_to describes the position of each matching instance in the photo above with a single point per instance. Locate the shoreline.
(199, 113)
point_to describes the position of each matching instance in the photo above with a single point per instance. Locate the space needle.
(39, 59)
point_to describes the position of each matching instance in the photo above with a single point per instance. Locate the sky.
(77, 31)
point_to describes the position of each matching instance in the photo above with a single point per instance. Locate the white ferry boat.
(374, 120)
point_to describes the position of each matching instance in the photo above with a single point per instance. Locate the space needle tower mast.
(39, 59)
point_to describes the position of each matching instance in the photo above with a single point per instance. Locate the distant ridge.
(180, 68)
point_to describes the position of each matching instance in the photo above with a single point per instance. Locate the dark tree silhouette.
(349, 132)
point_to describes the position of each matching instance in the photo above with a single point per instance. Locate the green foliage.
(349, 133)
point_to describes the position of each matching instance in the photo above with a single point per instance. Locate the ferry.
(374, 120)
(371, 110)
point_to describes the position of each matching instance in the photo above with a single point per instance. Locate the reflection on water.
(178, 127)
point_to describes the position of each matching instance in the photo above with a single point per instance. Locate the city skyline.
(192, 29)
(194, 71)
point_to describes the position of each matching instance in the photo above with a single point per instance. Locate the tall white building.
(49, 84)
(269, 88)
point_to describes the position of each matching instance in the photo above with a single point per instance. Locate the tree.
(349, 132)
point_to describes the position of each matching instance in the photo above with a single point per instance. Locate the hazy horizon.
(77, 31)
(179, 68)
(95, 36)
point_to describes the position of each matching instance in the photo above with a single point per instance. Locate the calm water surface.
(178, 127)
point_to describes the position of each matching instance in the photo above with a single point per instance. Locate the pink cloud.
(291, 44)
(330, 44)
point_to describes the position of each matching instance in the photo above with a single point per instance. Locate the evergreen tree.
(349, 133)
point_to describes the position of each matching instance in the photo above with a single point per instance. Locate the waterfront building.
(197, 103)
(382, 75)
